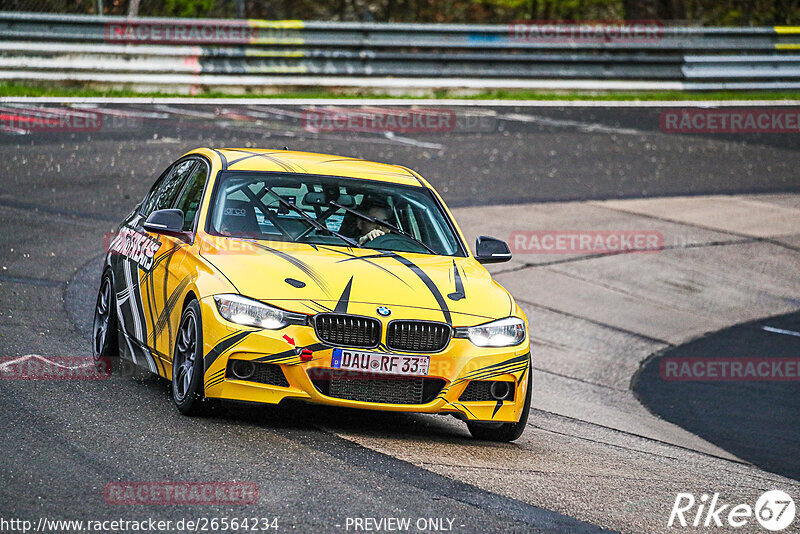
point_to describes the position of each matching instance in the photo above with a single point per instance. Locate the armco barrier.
(252, 52)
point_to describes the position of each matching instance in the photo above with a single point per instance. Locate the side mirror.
(491, 250)
(167, 222)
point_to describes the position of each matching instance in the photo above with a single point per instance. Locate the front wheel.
(504, 431)
(187, 363)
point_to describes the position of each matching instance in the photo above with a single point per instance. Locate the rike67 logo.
(774, 510)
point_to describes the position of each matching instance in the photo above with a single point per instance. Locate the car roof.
(271, 160)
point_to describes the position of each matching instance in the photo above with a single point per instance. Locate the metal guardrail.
(253, 52)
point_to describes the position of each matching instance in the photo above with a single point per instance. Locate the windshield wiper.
(310, 220)
(382, 223)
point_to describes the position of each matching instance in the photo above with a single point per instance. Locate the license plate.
(376, 362)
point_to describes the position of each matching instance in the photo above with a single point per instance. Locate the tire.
(187, 363)
(105, 341)
(504, 431)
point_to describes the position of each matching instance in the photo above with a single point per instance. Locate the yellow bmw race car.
(264, 275)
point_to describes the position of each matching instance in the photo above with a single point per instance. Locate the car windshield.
(327, 210)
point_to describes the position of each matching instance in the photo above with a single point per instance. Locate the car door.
(160, 281)
(141, 271)
(131, 253)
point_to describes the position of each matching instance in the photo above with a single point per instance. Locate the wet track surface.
(60, 192)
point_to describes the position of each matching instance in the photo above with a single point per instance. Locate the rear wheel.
(104, 329)
(187, 363)
(504, 431)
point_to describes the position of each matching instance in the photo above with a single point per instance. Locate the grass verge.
(8, 89)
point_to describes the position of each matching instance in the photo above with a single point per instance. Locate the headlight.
(248, 312)
(501, 333)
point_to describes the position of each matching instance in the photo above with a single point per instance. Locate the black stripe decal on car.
(303, 266)
(429, 283)
(365, 260)
(290, 354)
(458, 294)
(341, 306)
(512, 365)
(223, 159)
(216, 378)
(223, 346)
(285, 165)
(422, 276)
(160, 258)
(497, 407)
(166, 311)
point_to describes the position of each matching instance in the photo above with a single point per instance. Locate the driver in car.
(368, 229)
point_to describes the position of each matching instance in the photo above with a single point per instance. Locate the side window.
(189, 201)
(172, 185)
(150, 199)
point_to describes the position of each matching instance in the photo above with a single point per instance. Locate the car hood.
(318, 278)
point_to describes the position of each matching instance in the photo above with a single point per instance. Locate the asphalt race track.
(593, 457)
(715, 410)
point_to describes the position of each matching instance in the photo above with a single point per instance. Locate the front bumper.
(451, 371)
